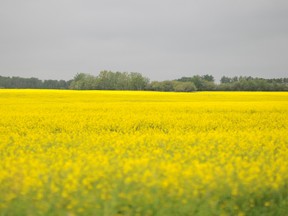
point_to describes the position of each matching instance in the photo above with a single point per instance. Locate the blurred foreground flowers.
(143, 153)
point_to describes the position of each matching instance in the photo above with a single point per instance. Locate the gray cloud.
(161, 39)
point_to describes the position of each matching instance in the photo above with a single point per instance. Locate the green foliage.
(108, 80)
(83, 81)
(184, 86)
(33, 83)
(137, 81)
(252, 84)
(202, 83)
(172, 86)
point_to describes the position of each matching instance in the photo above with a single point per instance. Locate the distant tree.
(185, 79)
(137, 81)
(122, 81)
(154, 86)
(83, 81)
(208, 86)
(54, 84)
(199, 82)
(108, 80)
(184, 86)
(225, 79)
(208, 78)
(249, 83)
(202, 83)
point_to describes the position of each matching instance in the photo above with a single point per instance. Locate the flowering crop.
(143, 153)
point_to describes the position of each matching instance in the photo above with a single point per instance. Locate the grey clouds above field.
(162, 39)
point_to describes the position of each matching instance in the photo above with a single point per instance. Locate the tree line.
(252, 84)
(32, 83)
(108, 80)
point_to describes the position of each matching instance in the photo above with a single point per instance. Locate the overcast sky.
(162, 39)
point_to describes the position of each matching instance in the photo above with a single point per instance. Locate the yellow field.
(143, 153)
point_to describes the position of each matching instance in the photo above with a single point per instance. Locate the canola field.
(143, 153)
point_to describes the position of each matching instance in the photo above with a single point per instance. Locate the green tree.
(137, 81)
(184, 86)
